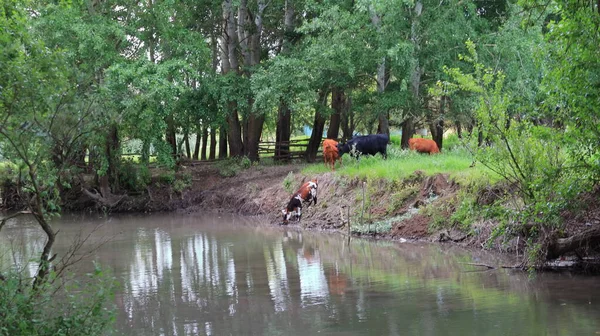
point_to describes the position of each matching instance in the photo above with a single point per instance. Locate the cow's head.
(343, 148)
(286, 215)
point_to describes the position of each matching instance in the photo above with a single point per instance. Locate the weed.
(398, 199)
(167, 177)
(182, 183)
(288, 183)
(232, 166)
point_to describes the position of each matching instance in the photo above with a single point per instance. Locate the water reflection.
(206, 275)
(313, 284)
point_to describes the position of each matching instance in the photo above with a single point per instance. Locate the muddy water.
(223, 275)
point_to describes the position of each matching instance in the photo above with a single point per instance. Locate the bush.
(232, 166)
(182, 182)
(57, 307)
(133, 176)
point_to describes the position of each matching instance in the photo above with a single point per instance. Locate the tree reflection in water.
(221, 275)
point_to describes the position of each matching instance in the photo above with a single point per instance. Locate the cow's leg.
(298, 213)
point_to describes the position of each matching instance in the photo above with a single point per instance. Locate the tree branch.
(16, 214)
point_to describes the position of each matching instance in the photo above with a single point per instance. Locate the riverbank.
(417, 207)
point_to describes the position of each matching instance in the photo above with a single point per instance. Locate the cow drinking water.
(306, 194)
(367, 144)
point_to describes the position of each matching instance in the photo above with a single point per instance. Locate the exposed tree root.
(109, 201)
(585, 239)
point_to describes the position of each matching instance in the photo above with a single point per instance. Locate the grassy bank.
(395, 190)
(403, 163)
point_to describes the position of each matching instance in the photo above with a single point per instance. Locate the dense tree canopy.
(89, 81)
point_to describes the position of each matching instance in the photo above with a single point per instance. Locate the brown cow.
(330, 153)
(423, 145)
(307, 193)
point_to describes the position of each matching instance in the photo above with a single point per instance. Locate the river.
(231, 275)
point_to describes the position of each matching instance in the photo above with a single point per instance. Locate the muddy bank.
(417, 208)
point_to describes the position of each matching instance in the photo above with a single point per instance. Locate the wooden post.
(349, 231)
(362, 212)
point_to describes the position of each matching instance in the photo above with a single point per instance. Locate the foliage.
(232, 166)
(573, 62)
(529, 156)
(182, 182)
(133, 176)
(58, 307)
(167, 177)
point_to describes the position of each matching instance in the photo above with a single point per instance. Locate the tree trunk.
(283, 132)
(284, 114)
(234, 136)
(437, 125)
(35, 205)
(408, 129)
(584, 239)
(318, 127)
(383, 126)
(437, 131)
(458, 129)
(255, 126)
(249, 34)
(338, 100)
(113, 156)
(196, 154)
(45, 259)
(213, 144)
(186, 140)
(230, 63)
(347, 121)
(170, 136)
(222, 142)
(145, 155)
(204, 141)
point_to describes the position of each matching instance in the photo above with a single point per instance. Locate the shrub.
(232, 166)
(167, 177)
(288, 182)
(57, 307)
(133, 176)
(182, 182)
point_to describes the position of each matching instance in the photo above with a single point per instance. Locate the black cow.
(367, 144)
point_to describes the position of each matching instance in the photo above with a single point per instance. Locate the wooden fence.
(287, 150)
(284, 150)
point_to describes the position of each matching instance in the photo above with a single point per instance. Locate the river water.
(230, 275)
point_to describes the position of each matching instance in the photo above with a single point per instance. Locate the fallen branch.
(521, 265)
(16, 214)
(108, 201)
(445, 236)
(481, 265)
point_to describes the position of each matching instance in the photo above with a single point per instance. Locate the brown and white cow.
(423, 145)
(330, 153)
(306, 194)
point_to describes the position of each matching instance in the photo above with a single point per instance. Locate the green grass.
(403, 163)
